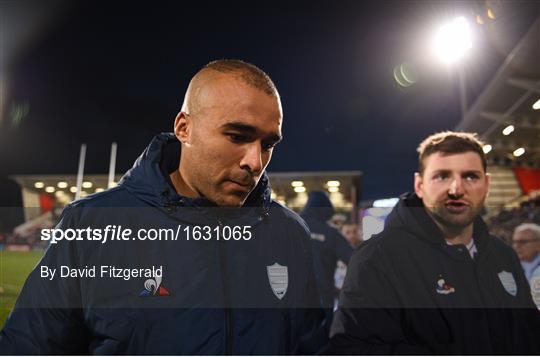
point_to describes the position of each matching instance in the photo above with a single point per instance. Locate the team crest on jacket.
(443, 287)
(154, 287)
(278, 276)
(535, 290)
(508, 282)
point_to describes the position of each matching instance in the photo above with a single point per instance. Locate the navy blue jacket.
(215, 296)
(408, 292)
(328, 244)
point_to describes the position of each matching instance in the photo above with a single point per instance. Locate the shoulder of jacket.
(99, 199)
(501, 249)
(289, 216)
(382, 247)
(114, 197)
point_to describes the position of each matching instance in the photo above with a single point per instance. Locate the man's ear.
(183, 127)
(418, 182)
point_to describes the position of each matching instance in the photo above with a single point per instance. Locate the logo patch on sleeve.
(508, 282)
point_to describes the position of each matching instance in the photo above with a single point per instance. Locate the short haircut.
(450, 142)
(247, 72)
(535, 228)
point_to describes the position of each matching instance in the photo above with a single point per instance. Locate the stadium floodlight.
(49, 189)
(519, 152)
(299, 189)
(62, 184)
(73, 189)
(452, 40)
(39, 184)
(297, 183)
(508, 130)
(333, 183)
(536, 105)
(487, 148)
(87, 184)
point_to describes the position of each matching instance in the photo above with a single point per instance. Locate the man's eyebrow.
(441, 171)
(478, 172)
(240, 127)
(250, 129)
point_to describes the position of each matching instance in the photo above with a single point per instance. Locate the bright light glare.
(87, 184)
(49, 189)
(487, 148)
(297, 184)
(39, 184)
(386, 203)
(536, 105)
(519, 152)
(333, 183)
(333, 189)
(62, 184)
(508, 130)
(299, 189)
(452, 40)
(73, 189)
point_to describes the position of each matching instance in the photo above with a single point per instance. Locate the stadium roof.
(508, 100)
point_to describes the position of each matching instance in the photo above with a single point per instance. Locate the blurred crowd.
(503, 224)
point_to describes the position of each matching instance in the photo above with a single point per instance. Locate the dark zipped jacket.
(328, 244)
(408, 292)
(215, 296)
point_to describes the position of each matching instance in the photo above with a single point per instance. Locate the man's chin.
(453, 220)
(231, 200)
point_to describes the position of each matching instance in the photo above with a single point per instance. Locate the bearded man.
(434, 281)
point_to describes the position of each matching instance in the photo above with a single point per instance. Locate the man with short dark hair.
(235, 274)
(434, 281)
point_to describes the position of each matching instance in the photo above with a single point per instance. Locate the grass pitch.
(14, 269)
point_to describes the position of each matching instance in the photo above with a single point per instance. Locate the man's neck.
(181, 186)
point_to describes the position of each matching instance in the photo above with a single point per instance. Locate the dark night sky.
(115, 71)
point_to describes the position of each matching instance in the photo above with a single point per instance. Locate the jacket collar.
(149, 180)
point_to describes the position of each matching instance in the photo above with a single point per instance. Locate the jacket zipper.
(229, 327)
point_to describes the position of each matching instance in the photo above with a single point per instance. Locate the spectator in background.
(353, 234)
(526, 242)
(503, 224)
(329, 246)
(337, 220)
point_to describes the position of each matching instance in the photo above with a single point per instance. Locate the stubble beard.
(453, 221)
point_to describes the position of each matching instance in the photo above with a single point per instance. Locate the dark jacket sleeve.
(369, 319)
(47, 318)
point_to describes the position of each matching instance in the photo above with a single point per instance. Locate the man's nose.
(252, 160)
(456, 187)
